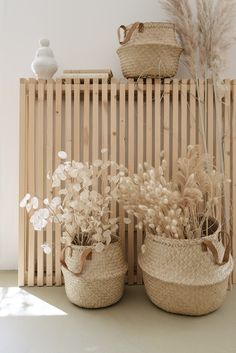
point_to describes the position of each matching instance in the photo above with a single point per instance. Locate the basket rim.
(82, 247)
(182, 242)
(150, 44)
(166, 23)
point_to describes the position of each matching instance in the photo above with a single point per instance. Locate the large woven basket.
(186, 276)
(92, 279)
(149, 50)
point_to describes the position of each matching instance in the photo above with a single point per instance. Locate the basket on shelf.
(187, 276)
(149, 50)
(94, 279)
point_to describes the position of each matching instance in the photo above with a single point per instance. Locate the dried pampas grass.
(181, 15)
(207, 39)
(215, 34)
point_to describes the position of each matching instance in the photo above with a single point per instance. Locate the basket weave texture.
(101, 282)
(150, 52)
(180, 277)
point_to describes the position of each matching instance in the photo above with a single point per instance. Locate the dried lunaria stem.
(83, 213)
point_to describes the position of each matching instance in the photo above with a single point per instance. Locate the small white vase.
(44, 65)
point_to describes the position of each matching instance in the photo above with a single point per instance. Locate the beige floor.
(41, 320)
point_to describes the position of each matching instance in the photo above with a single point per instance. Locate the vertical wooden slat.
(192, 112)
(233, 168)
(68, 119)
(149, 121)
(157, 107)
(140, 161)
(23, 183)
(218, 139)
(58, 146)
(166, 123)
(76, 154)
(201, 114)
(227, 146)
(113, 151)
(49, 229)
(131, 171)
(210, 118)
(104, 129)
(86, 122)
(122, 144)
(31, 183)
(95, 127)
(184, 118)
(40, 177)
(175, 135)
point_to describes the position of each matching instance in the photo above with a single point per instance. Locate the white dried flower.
(31, 203)
(46, 248)
(39, 219)
(25, 200)
(62, 155)
(46, 202)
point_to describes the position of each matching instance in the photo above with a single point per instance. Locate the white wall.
(82, 35)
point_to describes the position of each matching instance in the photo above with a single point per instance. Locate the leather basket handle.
(128, 33)
(86, 254)
(226, 241)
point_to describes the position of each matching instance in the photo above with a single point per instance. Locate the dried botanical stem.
(173, 208)
(206, 51)
(221, 150)
(181, 15)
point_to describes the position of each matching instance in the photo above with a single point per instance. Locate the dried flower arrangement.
(206, 40)
(185, 258)
(83, 212)
(180, 208)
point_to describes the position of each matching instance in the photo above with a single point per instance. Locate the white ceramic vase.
(44, 65)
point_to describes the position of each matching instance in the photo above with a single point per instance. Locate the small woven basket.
(187, 277)
(92, 279)
(149, 50)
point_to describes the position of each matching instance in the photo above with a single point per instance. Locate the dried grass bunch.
(179, 208)
(83, 212)
(206, 38)
(181, 15)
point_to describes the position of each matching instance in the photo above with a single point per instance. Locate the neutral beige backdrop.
(83, 35)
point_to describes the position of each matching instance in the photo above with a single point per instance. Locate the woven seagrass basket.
(187, 277)
(92, 279)
(149, 50)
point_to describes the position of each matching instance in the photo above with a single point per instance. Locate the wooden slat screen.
(135, 121)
